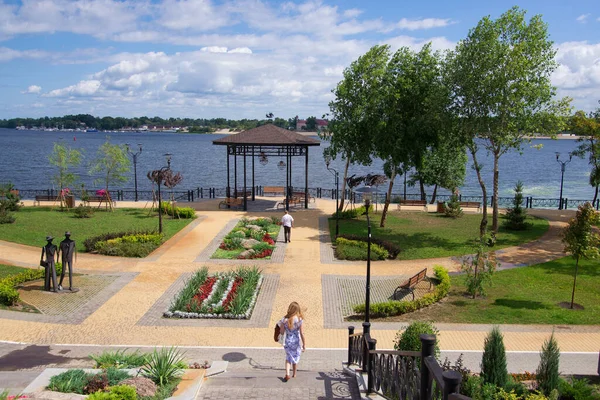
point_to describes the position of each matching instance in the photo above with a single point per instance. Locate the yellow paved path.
(299, 279)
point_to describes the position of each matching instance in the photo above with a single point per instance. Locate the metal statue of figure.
(67, 249)
(49, 251)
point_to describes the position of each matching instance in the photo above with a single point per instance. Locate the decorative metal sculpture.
(67, 249)
(49, 251)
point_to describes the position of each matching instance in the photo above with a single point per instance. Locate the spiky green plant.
(164, 365)
(119, 359)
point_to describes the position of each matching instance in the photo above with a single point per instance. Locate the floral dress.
(293, 343)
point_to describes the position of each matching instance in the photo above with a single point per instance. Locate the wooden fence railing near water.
(199, 193)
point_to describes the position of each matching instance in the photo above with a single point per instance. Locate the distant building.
(301, 124)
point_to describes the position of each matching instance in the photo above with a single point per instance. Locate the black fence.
(325, 193)
(406, 375)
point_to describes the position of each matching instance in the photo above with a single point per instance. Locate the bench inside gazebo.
(260, 143)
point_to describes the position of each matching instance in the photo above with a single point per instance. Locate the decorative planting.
(9, 295)
(124, 244)
(229, 295)
(249, 239)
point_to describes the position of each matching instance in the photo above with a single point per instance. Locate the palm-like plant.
(163, 365)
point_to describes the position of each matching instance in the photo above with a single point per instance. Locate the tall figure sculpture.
(49, 251)
(67, 249)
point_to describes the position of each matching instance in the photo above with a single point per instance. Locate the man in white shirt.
(288, 222)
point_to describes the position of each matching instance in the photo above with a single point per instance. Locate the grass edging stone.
(8, 293)
(396, 307)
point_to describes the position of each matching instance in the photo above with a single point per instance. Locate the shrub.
(90, 243)
(9, 198)
(6, 217)
(102, 396)
(458, 367)
(357, 250)
(72, 381)
(392, 248)
(163, 365)
(119, 359)
(95, 383)
(516, 216)
(262, 246)
(8, 294)
(493, 362)
(479, 269)
(123, 392)
(395, 307)
(547, 371)
(82, 211)
(410, 340)
(125, 244)
(352, 212)
(178, 212)
(575, 389)
(452, 208)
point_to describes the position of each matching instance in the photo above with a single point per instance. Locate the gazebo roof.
(267, 135)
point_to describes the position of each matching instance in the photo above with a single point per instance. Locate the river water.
(24, 162)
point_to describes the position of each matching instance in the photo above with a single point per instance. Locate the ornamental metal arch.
(260, 142)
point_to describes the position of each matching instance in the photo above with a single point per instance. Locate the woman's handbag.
(43, 263)
(279, 334)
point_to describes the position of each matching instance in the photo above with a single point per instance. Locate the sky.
(243, 58)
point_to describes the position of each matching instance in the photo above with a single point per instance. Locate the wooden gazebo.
(262, 142)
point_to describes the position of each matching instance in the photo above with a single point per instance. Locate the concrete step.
(269, 384)
(16, 381)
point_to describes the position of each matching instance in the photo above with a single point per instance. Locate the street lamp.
(134, 155)
(337, 194)
(160, 180)
(562, 176)
(367, 323)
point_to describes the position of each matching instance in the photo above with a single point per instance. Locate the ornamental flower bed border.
(180, 314)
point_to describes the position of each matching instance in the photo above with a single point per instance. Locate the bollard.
(372, 346)
(350, 332)
(451, 383)
(427, 349)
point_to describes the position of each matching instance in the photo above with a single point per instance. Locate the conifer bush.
(516, 216)
(493, 362)
(547, 372)
(410, 339)
(452, 208)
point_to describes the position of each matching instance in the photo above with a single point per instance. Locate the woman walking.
(294, 343)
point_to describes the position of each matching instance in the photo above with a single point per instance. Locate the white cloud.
(195, 15)
(582, 19)
(33, 89)
(578, 75)
(422, 23)
(83, 88)
(352, 13)
(437, 43)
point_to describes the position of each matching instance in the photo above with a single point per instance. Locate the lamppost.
(160, 181)
(337, 194)
(367, 323)
(134, 155)
(563, 164)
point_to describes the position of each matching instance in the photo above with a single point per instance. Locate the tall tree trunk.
(344, 185)
(495, 198)
(433, 196)
(422, 187)
(574, 282)
(477, 166)
(595, 196)
(388, 198)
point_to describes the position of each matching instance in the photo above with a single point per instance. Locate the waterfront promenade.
(126, 308)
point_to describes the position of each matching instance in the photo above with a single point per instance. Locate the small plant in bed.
(229, 294)
(125, 244)
(249, 239)
(119, 359)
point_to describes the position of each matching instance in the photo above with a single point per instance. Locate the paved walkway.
(118, 314)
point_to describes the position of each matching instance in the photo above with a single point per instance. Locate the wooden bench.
(39, 198)
(294, 201)
(300, 196)
(420, 203)
(232, 202)
(410, 284)
(99, 200)
(273, 190)
(470, 204)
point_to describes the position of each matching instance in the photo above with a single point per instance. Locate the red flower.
(203, 292)
(267, 238)
(231, 295)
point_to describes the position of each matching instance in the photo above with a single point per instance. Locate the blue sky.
(242, 58)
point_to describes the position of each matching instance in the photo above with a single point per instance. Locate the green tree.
(493, 361)
(63, 158)
(311, 124)
(112, 164)
(580, 240)
(354, 117)
(516, 216)
(547, 374)
(479, 269)
(588, 128)
(410, 338)
(500, 76)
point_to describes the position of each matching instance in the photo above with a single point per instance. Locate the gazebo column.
(235, 172)
(253, 183)
(244, 194)
(228, 190)
(306, 177)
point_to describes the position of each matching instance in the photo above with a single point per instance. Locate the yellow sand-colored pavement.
(300, 278)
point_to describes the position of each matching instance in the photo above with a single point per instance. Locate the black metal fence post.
(566, 203)
(350, 333)
(452, 381)
(427, 349)
(372, 346)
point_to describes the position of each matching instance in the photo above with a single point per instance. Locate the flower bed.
(229, 295)
(249, 239)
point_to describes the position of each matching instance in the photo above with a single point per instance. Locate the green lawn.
(7, 270)
(429, 235)
(33, 224)
(527, 295)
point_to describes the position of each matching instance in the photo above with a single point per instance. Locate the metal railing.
(403, 375)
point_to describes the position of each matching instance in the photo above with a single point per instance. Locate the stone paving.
(304, 270)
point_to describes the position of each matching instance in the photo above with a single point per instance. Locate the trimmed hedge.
(90, 243)
(395, 307)
(357, 250)
(8, 293)
(180, 212)
(352, 212)
(392, 248)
